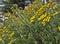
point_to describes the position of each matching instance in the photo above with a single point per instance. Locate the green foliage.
(35, 32)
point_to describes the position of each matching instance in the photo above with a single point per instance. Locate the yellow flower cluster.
(12, 41)
(32, 7)
(44, 18)
(48, 5)
(55, 13)
(41, 17)
(6, 14)
(29, 9)
(44, 12)
(55, 6)
(6, 32)
(41, 10)
(47, 19)
(32, 19)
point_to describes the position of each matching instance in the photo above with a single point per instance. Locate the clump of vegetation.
(38, 24)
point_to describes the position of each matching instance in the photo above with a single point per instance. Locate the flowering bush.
(38, 24)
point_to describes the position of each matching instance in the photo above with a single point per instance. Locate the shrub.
(38, 24)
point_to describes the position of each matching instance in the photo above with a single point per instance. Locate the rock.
(1, 24)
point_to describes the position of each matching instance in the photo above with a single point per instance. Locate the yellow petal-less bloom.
(55, 6)
(37, 13)
(59, 28)
(0, 39)
(6, 14)
(48, 18)
(31, 21)
(43, 23)
(48, 5)
(44, 20)
(33, 17)
(12, 41)
(55, 13)
(41, 17)
(3, 35)
(12, 34)
(4, 27)
(41, 10)
(29, 9)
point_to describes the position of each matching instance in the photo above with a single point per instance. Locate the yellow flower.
(12, 34)
(4, 27)
(48, 18)
(7, 14)
(42, 9)
(43, 23)
(37, 13)
(41, 17)
(33, 17)
(59, 28)
(55, 6)
(44, 19)
(55, 13)
(31, 21)
(23, 20)
(1, 39)
(11, 7)
(12, 41)
(50, 8)
(29, 9)
(3, 35)
(48, 5)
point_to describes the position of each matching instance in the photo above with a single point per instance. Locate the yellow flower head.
(33, 17)
(55, 13)
(48, 5)
(6, 14)
(55, 6)
(12, 34)
(41, 10)
(59, 28)
(43, 23)
(31, 21)
(41, 17)
(1, 39)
